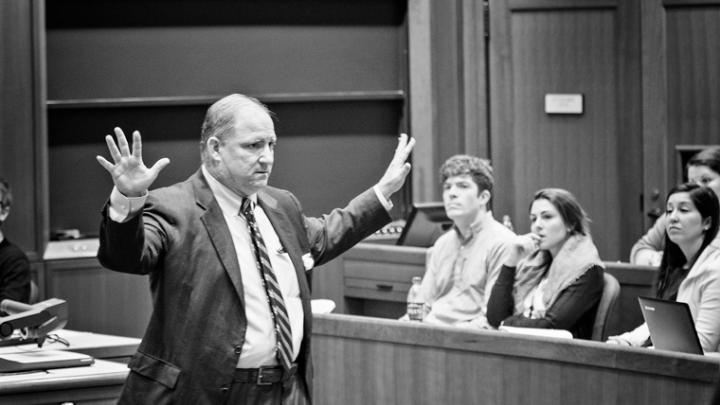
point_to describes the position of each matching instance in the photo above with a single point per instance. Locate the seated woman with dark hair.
(690, 267)
(702, 169)
(553, 277)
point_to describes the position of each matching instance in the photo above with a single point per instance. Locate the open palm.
(130, 175)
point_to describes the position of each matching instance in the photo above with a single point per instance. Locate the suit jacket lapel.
(218, 232)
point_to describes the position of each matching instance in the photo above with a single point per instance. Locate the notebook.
(42, 360)
(671, 325)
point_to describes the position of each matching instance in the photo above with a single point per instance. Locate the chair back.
(611, 291)
(34, 293)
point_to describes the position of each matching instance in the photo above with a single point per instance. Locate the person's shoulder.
(450, 236)
(277, 192)
(711, 253)
(11, 250)
(173, 196)
(500, 233)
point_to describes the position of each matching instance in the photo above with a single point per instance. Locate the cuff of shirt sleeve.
(387, 204)
(123, 208)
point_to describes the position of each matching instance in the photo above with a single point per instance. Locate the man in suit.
(227, 257)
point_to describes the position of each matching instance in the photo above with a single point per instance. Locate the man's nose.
(267, 155)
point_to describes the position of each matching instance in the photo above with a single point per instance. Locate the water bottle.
(508, 223)
(415, 303)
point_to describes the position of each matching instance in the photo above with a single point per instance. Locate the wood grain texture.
(100, 300)
(367, 360)
(20, 124)
(567, 49)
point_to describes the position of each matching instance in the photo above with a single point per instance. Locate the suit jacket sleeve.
(338, 231)
(136, 245)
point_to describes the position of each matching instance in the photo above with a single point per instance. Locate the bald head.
(224, 115)
(238, 143)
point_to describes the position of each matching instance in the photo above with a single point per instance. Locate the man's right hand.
(130, 175)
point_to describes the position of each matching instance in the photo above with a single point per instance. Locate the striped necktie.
(272, 288)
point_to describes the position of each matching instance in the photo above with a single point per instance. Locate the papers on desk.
(556, 333)
(42, 360)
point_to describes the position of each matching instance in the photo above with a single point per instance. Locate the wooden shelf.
(337, 96)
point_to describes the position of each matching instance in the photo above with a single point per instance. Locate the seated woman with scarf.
(690, 267)
(553, 277)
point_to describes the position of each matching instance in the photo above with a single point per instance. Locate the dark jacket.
(197, 329)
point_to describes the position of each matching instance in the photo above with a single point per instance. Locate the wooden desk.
(360, 360)
(97, 345)
(373, 280)
(96, 384)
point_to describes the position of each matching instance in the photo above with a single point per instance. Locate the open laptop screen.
(426, 222)
(671, 325)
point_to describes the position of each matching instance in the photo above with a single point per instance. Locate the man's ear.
(4, 212)
(485, 197)
(212, 147)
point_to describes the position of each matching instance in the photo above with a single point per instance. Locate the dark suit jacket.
(197, 329)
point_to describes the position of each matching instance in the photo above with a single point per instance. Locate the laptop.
(671, 325)
(426, 223)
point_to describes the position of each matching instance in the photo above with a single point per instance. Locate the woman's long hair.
(707, 205)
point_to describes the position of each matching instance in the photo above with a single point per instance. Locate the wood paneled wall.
(539, 48)
(21, 159)
(681, 86)
(448, 87)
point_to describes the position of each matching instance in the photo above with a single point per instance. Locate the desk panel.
(360, 360)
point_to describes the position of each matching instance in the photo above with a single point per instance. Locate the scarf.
(576, 256)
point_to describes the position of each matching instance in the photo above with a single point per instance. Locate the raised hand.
(130, 175)
(398, 168)
(521, 246)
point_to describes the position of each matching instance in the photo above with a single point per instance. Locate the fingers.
(403, 149)
(528, 242)
(114, 152)
(104, 163)
(159, 165)
(122, 142)
(137, 145)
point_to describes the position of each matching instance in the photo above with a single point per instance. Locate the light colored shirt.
(701, 291)
(651, 244)
(460, 273)
(260, 339)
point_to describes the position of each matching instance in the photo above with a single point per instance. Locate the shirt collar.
(228, 199)
(475, 228)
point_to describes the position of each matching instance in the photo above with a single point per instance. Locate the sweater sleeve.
(648, 249)
(572, 303)
(501, 304)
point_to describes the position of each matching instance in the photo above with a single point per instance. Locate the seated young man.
(464, 263)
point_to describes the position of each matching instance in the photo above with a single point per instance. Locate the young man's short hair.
(478, 169)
